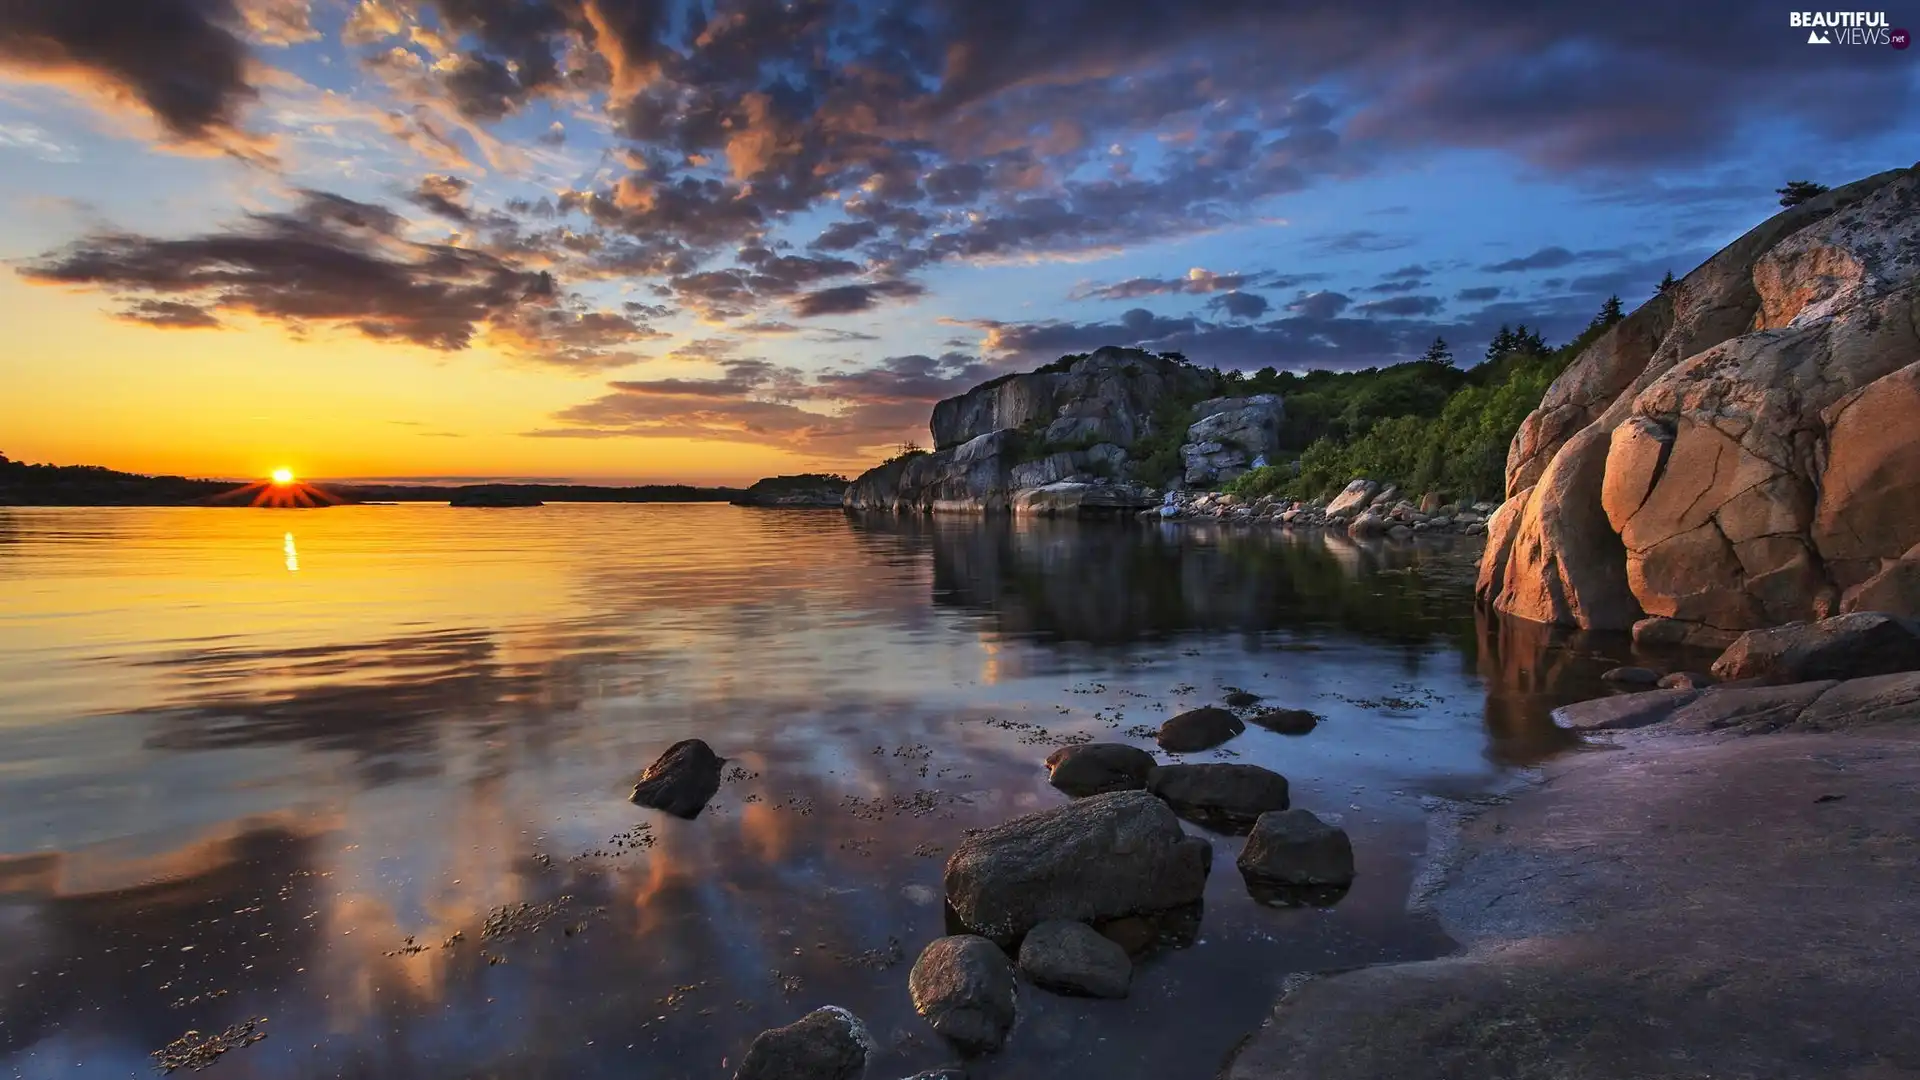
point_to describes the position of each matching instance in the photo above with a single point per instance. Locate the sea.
(343, 792)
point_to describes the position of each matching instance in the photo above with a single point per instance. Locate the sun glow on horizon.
(283, 476)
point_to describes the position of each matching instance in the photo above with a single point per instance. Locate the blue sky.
(775, 232)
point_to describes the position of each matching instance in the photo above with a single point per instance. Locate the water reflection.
(234, 791)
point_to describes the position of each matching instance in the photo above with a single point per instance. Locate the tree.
(1529, 341)
(1610, 312)
(1799, 191)
(1666, 285)
(1438, 353)
(1502, 343)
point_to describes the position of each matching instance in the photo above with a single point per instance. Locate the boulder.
(1623, 711)
(1286, 721)
(1074, 958)
(1844, 647)
(1240, 699)
(1869, 702)
(1756, 708)
(963, 986)
(681, 781)
(1431, 502)
(825, 1044)
(1229, 434)
(1293, 847)
(1084, 498)
(1686, 680)
(1227, 797)
(1895, 588)
(1198, 729)
(1631, 676)
(1735, 454)
(1356, 496)
(1097, 768)
(1101, 857)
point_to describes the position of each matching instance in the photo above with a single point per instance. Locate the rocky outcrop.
(1097, 858)
(975, 476)
(1733, 455)
(806, 491)
(1229, 436)
(1083, 498)
(1848, 647)
(1108, 396)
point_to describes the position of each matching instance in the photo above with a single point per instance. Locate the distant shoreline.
(24, 485)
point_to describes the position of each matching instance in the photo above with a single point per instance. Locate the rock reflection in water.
(311, 815)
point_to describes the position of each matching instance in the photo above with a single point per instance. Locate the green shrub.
(1254, 483)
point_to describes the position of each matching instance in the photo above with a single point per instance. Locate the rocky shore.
(1724, 891)
(1364, 509)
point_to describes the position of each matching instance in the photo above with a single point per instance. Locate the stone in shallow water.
(681, 781)
(1198, 729)
(1241, 699)
(1293, 847)
(1098, 858)
(1287, 721)
(825, 1044)
(963, 985)
(1097, 768)
(1074, 958)
(1686, 680)
(1226, 797)
(1632, 676)
(1845, 647)
(1623, 711)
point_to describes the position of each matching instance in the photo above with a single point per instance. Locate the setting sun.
(283, 477)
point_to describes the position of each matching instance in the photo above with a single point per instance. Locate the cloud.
(1239, 305)
(182, 63)
(335, 262)
(1551, 258)
(1320, 305)
(444, 195)
(849, 299)
(1479, 293)
(1358, 241)
(170, 315)
(1196, 280)
(1402, 306)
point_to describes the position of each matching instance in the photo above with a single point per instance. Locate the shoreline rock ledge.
(1740, 452)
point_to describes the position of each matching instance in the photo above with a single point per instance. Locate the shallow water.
(266, 764)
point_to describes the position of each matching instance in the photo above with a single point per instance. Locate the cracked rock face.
(1758, 460)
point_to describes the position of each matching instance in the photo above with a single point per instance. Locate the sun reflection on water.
(293, 555)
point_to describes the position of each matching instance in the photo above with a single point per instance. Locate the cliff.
(1740, 452)
(1086, 434)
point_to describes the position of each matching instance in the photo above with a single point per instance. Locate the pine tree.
(1611, 312)
(1666, 285)
(1502, 343)
(1438, 353)
(1799, 191)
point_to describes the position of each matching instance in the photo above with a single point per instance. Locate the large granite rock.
(804, 491)
(1198, 729)
(1097, 858)
(1107, 396)
(963, 985)
(1098, 768)
(1846, 647)
(1083, 498)
(1355, 497)
(825, 1044)
(1228, 435)
(975, 476)
(1736, 453)
(1293, 847)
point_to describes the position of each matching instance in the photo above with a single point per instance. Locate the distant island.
(22, 484)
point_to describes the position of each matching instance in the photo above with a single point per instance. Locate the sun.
(283, 477)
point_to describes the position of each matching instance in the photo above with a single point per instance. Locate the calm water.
(265, 764)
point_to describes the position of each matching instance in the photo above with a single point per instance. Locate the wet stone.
(1226, 797)
(963, 985)
(1293, 847)
(1197, 730)
(1632, 676)
(1097, 768)
(1287, 721)
(1073, 958)
(681, 781)
(825, 1044)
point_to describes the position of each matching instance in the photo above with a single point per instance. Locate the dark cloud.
(1402, 306)
(1197, 280)
(848, 299)
(1239, 305)
(1479, 293)
(845, 235)
(1397, 286)
(1547, 258)
(183, 62)
(444, 195)
(1357, 241)
(1320, 305)
(170, 315)
(335, 262)
(1412, 270)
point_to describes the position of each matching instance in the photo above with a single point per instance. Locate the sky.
(652, 240)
